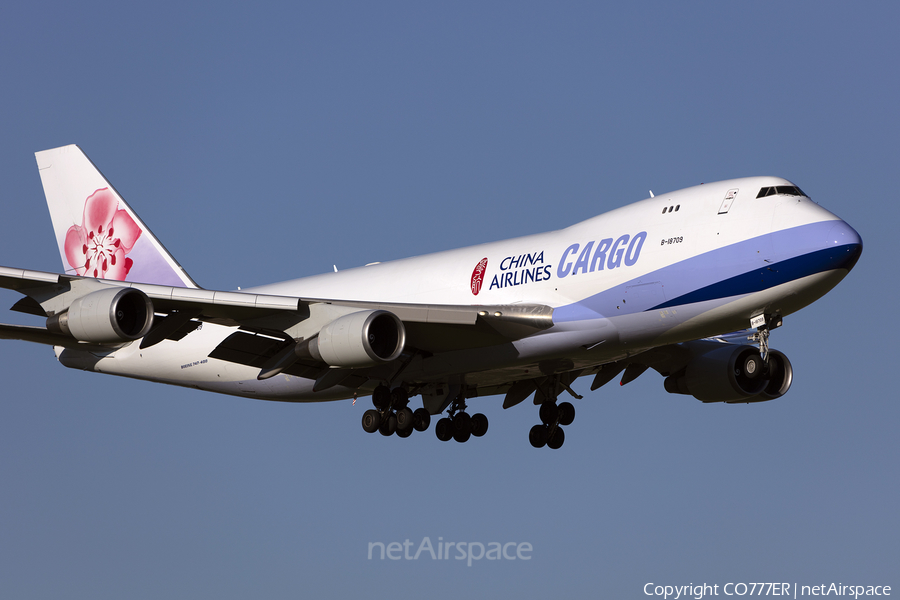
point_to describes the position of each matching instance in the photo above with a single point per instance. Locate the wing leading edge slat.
(432, 327)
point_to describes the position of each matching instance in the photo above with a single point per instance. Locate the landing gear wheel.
(381, 397)
(444, 429)
(479, 424)
(404, 433)
(566, 413)
(556, 440)
(538, 435)
(462, 423)
(462, 427)
(774, 367)
(405, 419)
(371, 420)
(462, 435)
(399, 398)
(752, 366)
(549, 413)
(388, 426)
(421, 419)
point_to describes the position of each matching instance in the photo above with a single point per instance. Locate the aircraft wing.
(39, 335)
(178, 310)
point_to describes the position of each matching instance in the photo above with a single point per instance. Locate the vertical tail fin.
(97, 232)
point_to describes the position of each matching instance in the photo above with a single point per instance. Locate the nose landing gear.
(764, 324)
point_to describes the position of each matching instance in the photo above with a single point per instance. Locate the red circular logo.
(478, 276)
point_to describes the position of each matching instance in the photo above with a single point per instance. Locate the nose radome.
(847, 242)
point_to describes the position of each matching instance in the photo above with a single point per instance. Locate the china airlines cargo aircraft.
(688, 283)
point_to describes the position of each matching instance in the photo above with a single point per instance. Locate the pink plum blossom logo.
(98, 246)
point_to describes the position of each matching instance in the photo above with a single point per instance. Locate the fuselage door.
(728, 201)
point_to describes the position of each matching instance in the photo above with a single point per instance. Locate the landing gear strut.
(459, 425)
(764, 324)
(760, 365)
(392, 415)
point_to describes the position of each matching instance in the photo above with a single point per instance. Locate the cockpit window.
(785, 190)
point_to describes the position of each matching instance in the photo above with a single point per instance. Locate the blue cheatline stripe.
(776, 274)
(740, 268)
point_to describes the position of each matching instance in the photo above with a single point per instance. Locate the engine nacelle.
(361, 339)
(725, 374)
(108, 316)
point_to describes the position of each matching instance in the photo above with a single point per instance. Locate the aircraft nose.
(847, 244)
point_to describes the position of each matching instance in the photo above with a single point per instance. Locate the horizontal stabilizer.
(40, 335)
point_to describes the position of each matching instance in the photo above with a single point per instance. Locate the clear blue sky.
(263, 142)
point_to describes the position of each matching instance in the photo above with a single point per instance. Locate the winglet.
(98, 234)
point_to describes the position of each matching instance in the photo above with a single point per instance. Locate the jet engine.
(108, 316)
(360, 339)
(733, 374)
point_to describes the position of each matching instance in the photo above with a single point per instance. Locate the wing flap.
(248, 348)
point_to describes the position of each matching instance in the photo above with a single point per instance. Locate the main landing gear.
(392, 415)
(553, 417)
(459, 425)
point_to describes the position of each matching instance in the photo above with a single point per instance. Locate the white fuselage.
(694, 263)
